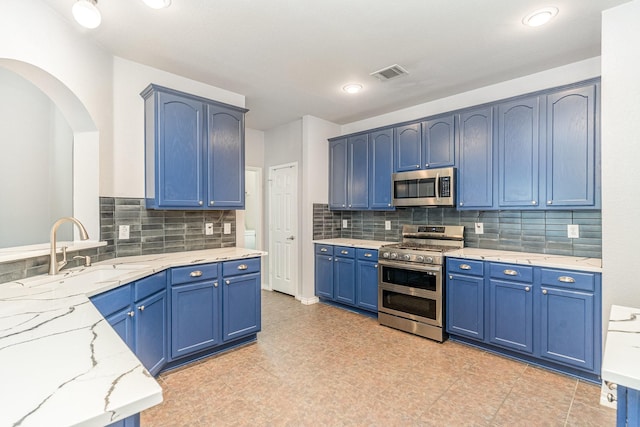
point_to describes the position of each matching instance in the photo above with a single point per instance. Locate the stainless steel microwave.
(429, 187)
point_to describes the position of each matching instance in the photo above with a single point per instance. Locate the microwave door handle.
(438, 185)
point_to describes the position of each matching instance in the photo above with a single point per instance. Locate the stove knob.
(385, 254)
(429, 260)
(420, 258)
(407, 257)
(394, 255)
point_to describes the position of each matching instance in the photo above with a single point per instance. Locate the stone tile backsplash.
(521, 231)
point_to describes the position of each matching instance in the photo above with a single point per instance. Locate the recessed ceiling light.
(352, 88)
(86, 13)
(540, 16)
(157, 4)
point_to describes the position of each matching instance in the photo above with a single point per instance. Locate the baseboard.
(308, 301)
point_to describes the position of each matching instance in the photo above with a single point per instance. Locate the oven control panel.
(412, 257)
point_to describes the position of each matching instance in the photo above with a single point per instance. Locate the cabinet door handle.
(323, 249)
(215, 284)
(510, 272)
(344, 252)
(533, 202)
(566, 279)
(141, 308)
(544, 292)
(549, 202)
(465, 267)
(211, 203)
(375, 266)
(228, 282)
(131, 313)
(368, 255)
(527, 289)
(242, 267)
(201, 203)
(330, 258)
(450, 277)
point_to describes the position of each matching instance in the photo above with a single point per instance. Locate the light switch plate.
(479, 228)
(208, 228)
(387, 225)
(345, 223)
(573, 231)
(123, 232)
(227, 228)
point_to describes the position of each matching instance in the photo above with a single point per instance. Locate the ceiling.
(292, 57)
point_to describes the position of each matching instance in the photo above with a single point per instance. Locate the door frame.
(295, 267)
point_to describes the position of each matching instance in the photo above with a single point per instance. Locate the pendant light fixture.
(86, 13)
(157, 4)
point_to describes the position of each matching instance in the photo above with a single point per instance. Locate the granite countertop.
(61, 363)
(354, 243)
(542, 260)
(622, 349)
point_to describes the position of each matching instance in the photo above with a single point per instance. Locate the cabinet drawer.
(568, 279)
(241, 266)
(193, 273)
(324, 249)
(149, 286)
(367, 254)
(513, 272)
(114, 300)
(465, 266)
(344, 252)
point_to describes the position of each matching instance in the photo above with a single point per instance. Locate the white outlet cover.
(208, 228)
(227, 228)
(345, 223)
(387, 225)
(573, 231)
(479, 228)
(123, 232)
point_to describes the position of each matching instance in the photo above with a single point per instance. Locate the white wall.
(620, 156)
(567, 74)
(129, 79)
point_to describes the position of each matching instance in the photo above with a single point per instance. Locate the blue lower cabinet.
(367, 279)
(122, 322)
(628, 414)
(344, 280)
(132, 421)
(324, 276)
(511, 315)
(151, 335)
(195, 317)
(465, 306)
(241, 306)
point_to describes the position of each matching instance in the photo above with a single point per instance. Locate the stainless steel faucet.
(54, 265)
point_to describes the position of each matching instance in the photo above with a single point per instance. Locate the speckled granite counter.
(60, 361)
(620, 364)
(541, 260)
(355, 243)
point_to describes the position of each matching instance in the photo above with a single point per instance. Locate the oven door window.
(409, 304)
(415, 188)
(427, 280)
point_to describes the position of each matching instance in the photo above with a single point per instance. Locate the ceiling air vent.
(389, 73)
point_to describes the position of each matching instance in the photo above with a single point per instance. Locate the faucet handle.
(87, 259)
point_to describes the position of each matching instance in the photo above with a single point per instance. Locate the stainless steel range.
(410, 284)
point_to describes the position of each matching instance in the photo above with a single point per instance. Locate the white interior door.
(283, 228)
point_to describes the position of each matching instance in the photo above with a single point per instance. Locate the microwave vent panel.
(389, 73)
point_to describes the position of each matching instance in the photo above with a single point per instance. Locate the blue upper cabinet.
(408, 147)
(225, 155)
(338, 174)
(380, 169)
(518, 153)
(358, 172)
(571, 175)
(194, 151)
(475, 164)
(438, 142)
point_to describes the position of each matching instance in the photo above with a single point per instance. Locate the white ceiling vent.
(389, 73)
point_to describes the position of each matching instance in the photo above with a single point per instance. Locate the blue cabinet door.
(132, 421)
(518, 153)
(408, 147)
(367, 285)
(571, 149)
(151, 333)
(511, 315)
(338, 174)
(358, 172)
(438, 141)
(475, 164)
(344, 280)
(241, 306)
(381, 154)
(465, 306)
(179, 152)
(195, 317)
(628, 414)
(225, 155)
(122, 322)
(566, 327)
(324, 276)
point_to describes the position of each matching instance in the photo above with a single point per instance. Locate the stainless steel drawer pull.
(242, 267)
(510, 272)
(344, 252)
(368, 255)
(323, 249)
(196, 273)
(465, 267)
(566, 279)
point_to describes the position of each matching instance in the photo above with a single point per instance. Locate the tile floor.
(322, 366)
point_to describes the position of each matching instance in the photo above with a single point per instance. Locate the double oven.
(410, 279)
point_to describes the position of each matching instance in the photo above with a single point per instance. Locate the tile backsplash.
(521, 231)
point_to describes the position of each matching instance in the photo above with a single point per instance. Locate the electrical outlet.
(227, 228)
(345, 223)
(479, 228)
(123, 232)
(387, 225)
(573, 231)
(208, 228)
